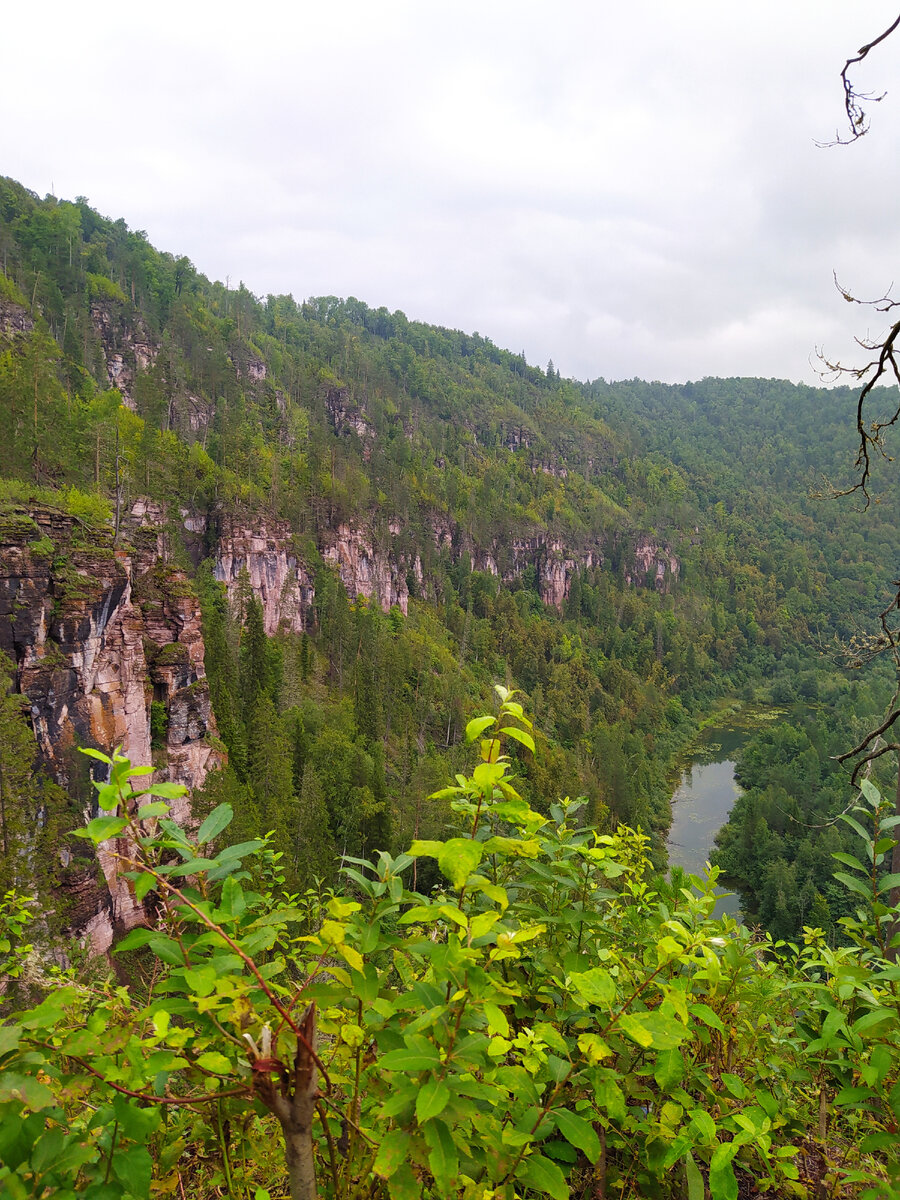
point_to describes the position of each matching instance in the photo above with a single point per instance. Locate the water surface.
(704, 797)
(700, 807)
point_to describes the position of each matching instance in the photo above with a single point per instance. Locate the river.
(703, 799)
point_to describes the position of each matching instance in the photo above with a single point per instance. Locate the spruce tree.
(314, 850)
(18, 806)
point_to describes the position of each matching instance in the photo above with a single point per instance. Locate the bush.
(545, 1023)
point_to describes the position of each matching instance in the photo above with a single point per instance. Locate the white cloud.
(628, 190)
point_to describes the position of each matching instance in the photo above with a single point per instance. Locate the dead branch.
(854, 100)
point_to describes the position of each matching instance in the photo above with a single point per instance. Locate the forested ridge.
(624, 555)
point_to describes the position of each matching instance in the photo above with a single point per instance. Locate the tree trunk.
(293, 1101)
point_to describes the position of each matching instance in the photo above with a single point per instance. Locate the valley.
(282, 554)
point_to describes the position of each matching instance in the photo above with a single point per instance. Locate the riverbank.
(703, 788)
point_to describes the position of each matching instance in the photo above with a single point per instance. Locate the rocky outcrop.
(652, 564)
(367, 571)
(555, 564)
(280, 581)
(98, 634)
(14, 319)
(127, 346)
(347, 417)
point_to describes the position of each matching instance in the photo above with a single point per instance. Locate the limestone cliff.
(264, 549)
(98, 634)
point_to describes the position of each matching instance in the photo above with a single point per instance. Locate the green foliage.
(542, 1023)
(88, 507)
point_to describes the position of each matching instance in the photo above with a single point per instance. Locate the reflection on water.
(700, 807)
(705, 794)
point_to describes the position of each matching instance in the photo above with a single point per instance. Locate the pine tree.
(269, 771)
(17, 753)
(315, 853)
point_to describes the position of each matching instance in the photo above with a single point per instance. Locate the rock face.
(366, 571)
(127, 347)
(347, 417)
(98, 634)
(14, 320)
(652, 563)
(278, 578)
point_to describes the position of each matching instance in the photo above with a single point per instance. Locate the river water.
(702, 801)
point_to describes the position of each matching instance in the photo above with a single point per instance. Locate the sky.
(630, 190)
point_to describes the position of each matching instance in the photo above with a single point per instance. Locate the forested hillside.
(296, 555)
(446, 515)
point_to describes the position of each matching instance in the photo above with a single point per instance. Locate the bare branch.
(854, 100)
(870, 736)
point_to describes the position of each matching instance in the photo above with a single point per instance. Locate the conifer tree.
(17, 752)
(315, 854)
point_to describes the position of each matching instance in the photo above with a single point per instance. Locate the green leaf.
(137, 937)
(421, 849)
(403, 1184)
(496, 1019)
(145, 883)
(133, 1167)
(704, 1125)
(442, 1157)
(213, 1061)
(409, 1060)
(201, 980)
(168, 791)
(722, 1181)
(136, 1123)
(24, 1089)
(477, 726)
(889, 882)
(595, 986)
(735, 1085)
(855, 825)
(431, 1100)
(669, 1069)
(653, 1029)
(849, 861)
(708, 1016)
(168, 950)
(241, 850)
(853, 884)
(544, 1176)
(578, 1132)
(871, 792)
(158, 808)
(519, 735)
(193, 866)
(874, 1017)
(392, 1153)
(50, 1011)
(101, 828)
(695, 1188)
(458, 858)
(9, 1038)
(610, 1096)
(220, 818)
(95, 754)
(234, 902)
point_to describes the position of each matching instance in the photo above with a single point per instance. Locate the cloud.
(628, 190)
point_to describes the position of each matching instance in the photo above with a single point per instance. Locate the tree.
(17, 754)
(315, 853)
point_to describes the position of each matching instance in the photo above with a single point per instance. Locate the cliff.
(99, 635)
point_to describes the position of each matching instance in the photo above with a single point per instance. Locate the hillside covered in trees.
(284, 552)
(622, 553)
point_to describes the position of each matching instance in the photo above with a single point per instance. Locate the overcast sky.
(632, 190)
